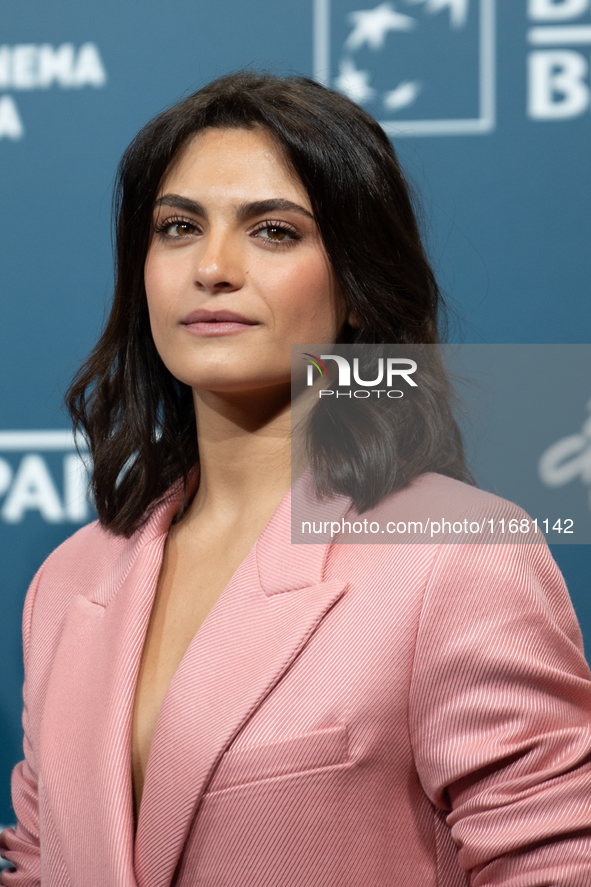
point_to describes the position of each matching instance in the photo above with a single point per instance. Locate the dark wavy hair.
(139, 420)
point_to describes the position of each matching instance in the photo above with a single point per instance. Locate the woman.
(206, 703)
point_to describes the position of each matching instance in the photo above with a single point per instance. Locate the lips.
(212, 324)
(202, 315)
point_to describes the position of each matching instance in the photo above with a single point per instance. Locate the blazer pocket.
(310, 751)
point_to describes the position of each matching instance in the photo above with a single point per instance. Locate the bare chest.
(190, 583)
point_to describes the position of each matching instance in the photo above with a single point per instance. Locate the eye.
(176, 228)
(277, 233)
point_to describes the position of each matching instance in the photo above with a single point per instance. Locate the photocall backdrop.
(488, 103)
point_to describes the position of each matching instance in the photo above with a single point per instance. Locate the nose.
(219, 267)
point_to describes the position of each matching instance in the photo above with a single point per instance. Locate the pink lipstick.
(216, 323)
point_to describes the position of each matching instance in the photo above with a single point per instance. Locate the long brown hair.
(139, 420)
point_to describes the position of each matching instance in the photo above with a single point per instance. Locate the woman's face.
(236, 270)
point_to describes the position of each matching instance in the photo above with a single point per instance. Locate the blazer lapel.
(263, 619)
(93, 681)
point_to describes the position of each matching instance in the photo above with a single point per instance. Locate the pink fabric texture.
(348, 716)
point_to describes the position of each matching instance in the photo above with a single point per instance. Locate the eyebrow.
(243, 211)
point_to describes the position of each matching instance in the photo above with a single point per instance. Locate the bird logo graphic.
(371, 29)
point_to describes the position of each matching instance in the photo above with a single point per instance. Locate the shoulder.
(502, 572)
(473, 530)
(89, 561)
(92, 564)
(82, 560)
(92, 542)
(433, 495)
(86, 564)
(457, 548)
(437, 509)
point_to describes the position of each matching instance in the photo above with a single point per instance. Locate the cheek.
(305, 293)
(152, 283)
(161, 283)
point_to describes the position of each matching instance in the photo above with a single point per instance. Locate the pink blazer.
(347, 716)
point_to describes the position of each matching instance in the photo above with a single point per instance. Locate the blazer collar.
(285, 563)
(264, 618)
(151, 534)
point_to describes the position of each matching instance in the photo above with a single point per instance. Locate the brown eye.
(176, 228)
(180, 229)
(276, 233)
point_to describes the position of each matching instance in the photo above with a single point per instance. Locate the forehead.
(234, 162)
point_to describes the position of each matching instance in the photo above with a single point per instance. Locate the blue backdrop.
(487, 101)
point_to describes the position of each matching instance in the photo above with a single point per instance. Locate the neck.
(244, 454)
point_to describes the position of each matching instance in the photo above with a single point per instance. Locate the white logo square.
(439, 54)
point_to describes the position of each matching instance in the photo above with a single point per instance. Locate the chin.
(229, 376)
(227, 384)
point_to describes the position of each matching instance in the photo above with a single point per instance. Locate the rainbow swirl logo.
(314, 361)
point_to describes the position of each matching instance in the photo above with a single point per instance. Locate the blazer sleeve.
(21, 844)
(500, 715)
